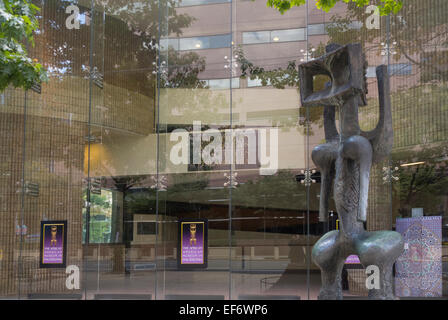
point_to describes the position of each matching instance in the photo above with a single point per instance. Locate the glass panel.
(53, 155)
(173, 177)
(269, 205)
(192, 118)
(120, 251)
(419, 162)
(14, 226)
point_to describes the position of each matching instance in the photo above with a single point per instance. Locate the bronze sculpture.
(193, 234)
(346, 158)
(54, 232)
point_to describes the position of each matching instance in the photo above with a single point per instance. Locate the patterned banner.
(419, 268)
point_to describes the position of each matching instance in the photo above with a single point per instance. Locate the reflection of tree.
(102, 201)
(125, 45)
(278, 188)
(126, 35)
(125, 42)
(419, 30)
(100, 212)
(141, 201)
(183, 70)
(424, 185)
(182, 182)
(416, 114)
(281, 78)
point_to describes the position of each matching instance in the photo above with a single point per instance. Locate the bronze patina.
(345, 161)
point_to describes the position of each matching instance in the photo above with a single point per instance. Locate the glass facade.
(146, 122)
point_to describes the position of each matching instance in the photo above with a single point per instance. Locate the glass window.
(355, 25)
(206, 42)
(316, 29)
(371, 72)
(105, 220)
(274, 36)
(395, 69)
(167, 43)
(144, 228)
(185, 3)
(288, 35)
(256, 82)
(400, 69)
(256, 37)
(223, 83)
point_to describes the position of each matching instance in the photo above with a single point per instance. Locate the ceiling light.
(198, 45)
(412, 164)
(276, 38)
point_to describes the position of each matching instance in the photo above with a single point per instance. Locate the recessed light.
(198, 45)
(276, 38)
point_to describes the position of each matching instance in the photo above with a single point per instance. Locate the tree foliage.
(418, 33)
(423, 185)
(17, 24)
(385, 6)
(278, 78)
(126, 40)
(281, 78)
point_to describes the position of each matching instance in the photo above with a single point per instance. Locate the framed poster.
(192, 250)
(53, 244)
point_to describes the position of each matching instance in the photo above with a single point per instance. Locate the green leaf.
(386, 6)
(18, 23)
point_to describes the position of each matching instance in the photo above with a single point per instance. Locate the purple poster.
(353, 259)
(193, 243)
(419, 268)
(53, 244)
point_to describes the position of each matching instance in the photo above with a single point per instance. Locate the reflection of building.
(118, 127)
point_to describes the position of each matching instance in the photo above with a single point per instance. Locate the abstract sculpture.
(346, 158)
